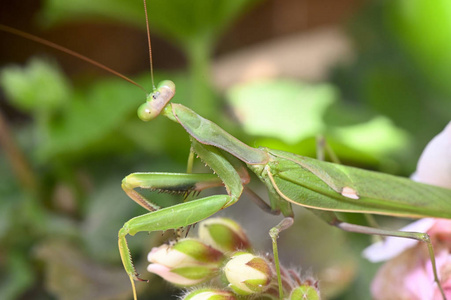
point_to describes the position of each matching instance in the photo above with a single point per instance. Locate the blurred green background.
(371, 76)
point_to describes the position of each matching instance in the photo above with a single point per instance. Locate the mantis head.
(157, 100)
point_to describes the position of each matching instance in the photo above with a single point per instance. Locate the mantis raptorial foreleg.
(228, 174)
(173, 217)
(178, 183)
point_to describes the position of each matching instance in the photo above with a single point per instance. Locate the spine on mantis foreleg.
(173, 217)
(222, 167)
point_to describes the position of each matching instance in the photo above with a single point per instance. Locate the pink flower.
(408, 274)
(434, 165)
(186, 263)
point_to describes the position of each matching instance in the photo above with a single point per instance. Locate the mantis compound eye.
(146, 113)
(167, 87)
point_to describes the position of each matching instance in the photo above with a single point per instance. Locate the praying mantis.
(321, 187)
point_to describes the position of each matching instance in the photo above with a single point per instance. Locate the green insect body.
(322, 187)
(333, 187)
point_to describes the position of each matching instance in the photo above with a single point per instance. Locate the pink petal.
(441, 231)
(167, 275)
(434, 165)
(419, 284)
(168, 256)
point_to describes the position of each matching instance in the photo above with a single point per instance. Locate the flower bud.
(223, 234)
(247, 274)
(209, 294)
(305, 292)
(187, 263)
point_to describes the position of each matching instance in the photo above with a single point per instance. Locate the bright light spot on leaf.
(288, 110)
(377, 136)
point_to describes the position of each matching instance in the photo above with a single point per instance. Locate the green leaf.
(187, 20)
(284, 109)
(179, 19)
(90, 117)
(378, 136)
(424, 29)
(61, 11)
(40, 86)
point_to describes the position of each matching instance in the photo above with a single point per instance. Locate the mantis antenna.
(150, 46)
(68, 51)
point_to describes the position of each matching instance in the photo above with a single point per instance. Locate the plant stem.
(19, 164)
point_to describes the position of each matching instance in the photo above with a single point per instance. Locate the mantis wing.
(326, 186)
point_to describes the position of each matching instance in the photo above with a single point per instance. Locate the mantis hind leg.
(332, 219)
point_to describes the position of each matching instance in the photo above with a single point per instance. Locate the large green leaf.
(285, 109)
(424, 29)
(378, 136)
(190, 20)
(60, 11)
(39, 87)
(179, 19)
(91, 116)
